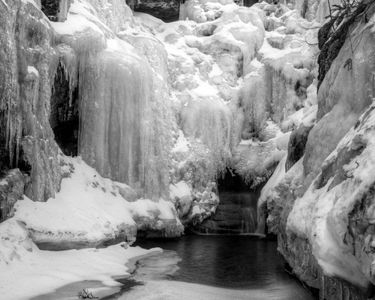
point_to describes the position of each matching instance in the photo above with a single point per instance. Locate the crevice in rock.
(297, 145)
(166, 10)
(249, 3)
(64, 117)
(55, 10)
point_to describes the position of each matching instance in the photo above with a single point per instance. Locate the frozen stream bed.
(203, 267)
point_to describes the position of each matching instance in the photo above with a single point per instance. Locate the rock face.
(26, 57)
(353, 67)
(55, 10)
(64, 115)
(322, 207)
(12, 187)
(167, 10)
(296, 146)
(331, 43)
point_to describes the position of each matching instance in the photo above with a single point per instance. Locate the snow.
(91, 210)
(274, 180)
(179, 190)
(182, 144)
(44, 271)
(165, 108)
(75, 24)
(171, 290)
(32, 70)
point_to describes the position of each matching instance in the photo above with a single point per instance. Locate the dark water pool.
(230, 262)
(201, 268)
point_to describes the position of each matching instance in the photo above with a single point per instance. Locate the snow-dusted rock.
(322, 207)
(92, 211)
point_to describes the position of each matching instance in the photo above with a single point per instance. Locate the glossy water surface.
(201, 268)
(242, 266)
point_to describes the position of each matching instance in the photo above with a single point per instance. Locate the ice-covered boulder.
(15, 241)
(93, 211)
(182, 196)
(12, 187)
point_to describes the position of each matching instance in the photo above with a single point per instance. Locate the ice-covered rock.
(182, 196)
(26, 138)
(166, 10)
(12, 187)
(344, 94)
(93, 211)
(322, 206)
(341, 198)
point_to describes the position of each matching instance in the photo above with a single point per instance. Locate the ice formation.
(164, 109)
(123, 104)
(142, 85)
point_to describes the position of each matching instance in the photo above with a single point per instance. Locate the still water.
(215, 267)
(201, 268)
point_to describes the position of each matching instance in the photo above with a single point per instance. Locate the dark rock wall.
(167, 10)
(249, 3)
(64, 117)
(55, 10)
(296, 145)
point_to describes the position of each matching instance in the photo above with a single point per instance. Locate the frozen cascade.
(115, 99)
(248, 220)
(124, 119)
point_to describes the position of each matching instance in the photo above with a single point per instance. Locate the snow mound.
(91, 210)
(44, 271)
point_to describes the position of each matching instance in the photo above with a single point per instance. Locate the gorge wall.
(125, 123)
(321, 207)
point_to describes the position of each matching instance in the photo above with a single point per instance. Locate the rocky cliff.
(321, 208)
(26, 138)
(157, 112)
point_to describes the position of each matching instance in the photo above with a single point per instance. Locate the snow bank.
(44, 271)
(90, 210)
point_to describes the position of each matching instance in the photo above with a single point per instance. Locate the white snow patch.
(27, 271)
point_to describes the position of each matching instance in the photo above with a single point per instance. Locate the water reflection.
(230, 262)
(200, 268)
